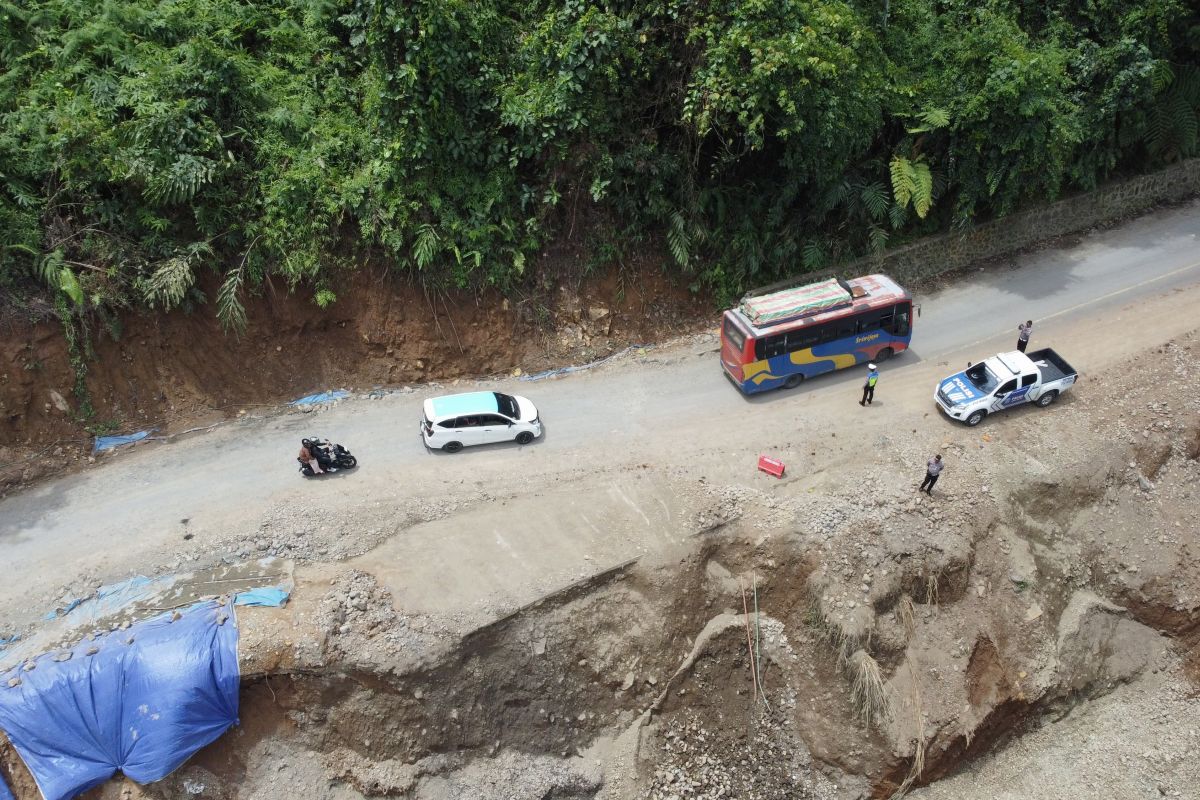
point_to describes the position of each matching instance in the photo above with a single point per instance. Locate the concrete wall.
(950, 251)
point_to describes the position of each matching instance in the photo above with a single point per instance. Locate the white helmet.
(871, 366)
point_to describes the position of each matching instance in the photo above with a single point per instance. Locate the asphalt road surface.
(111, 520)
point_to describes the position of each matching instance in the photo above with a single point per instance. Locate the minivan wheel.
(976, 418)
(524, 437)
(793, 381)
(452, 447)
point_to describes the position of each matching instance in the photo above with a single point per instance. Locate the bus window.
(799, 339)
(896, 320)
(770, 346)
(840, 329)
(734, 335)
(872, 321)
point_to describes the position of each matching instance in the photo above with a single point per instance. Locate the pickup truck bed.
(1052, 366)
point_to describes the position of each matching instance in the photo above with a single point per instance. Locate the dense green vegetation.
(144, 143)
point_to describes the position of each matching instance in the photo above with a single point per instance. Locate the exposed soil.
(147, 370)
(899, 637)
(660, 623)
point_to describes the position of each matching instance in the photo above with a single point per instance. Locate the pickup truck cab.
(1003, 381)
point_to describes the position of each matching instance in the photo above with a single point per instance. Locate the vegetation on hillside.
(144, 143)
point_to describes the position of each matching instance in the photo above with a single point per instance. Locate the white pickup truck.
(1003, 381)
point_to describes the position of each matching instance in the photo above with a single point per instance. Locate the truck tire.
(1047, 398)
(975, 418)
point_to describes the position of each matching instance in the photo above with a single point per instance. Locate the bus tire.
(975, 418)
(793, 381)
(885, 354)
(1047, 398)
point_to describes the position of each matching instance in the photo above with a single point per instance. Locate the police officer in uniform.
(869, 386)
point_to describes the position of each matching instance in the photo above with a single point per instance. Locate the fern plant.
(1174, 127)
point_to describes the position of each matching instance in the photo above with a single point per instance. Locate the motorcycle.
(330, 457)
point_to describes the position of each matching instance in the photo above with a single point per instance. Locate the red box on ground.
(771, 466)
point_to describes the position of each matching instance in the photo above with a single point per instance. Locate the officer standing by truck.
(1023, 331)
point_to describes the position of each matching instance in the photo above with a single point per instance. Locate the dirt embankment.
(900, 638)
(165, 370)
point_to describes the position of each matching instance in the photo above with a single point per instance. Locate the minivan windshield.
(982, 378)
(507, 404)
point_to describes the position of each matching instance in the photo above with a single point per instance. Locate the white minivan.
(455, 421)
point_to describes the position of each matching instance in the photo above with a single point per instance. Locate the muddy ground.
(1029, 630)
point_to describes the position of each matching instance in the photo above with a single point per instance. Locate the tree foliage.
(145, 145)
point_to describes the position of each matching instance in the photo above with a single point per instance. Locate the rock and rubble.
(901, 639)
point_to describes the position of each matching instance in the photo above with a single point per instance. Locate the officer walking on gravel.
(933, 468)
(869, 385)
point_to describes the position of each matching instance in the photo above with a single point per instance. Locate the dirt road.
(517, 521)
(903, 635)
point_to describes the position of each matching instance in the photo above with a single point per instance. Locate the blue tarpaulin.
(113, 597)
(109, 442)
(5, 794)
(270, 596)
(538, 376)
(320, 397)
(140, 700)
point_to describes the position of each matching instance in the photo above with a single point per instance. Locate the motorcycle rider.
(307, 456)
(324, 452)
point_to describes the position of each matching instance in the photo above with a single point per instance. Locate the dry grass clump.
(867, 691)
(906, 610)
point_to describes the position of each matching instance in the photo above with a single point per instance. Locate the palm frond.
(426, 245)
(677, 239)
(230, 310)
(922, 195)
(903, 183)
(812, 255)
(875, 199)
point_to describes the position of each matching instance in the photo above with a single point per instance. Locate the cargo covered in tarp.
(790, 303)
(140, 701)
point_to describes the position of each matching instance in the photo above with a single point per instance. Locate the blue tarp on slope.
(581, 367)
(143, 703)
(5, 794)
(268, 596)
(321, 397)
(109, 442)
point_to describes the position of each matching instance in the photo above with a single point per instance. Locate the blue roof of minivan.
(470, 403)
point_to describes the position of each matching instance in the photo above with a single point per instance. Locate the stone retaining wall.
(950, 251)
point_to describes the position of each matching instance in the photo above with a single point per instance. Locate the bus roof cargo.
(770, 309)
